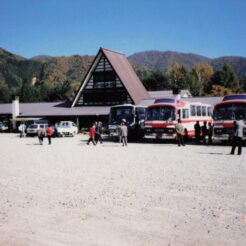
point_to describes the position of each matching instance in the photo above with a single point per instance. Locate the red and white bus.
(227, 111)
(162, 116)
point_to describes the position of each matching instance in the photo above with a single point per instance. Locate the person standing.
(22, 129)
(41, 134)
(123, 133)
(49, 133)
(180, 133)
(197, 128)
(204, 132)
(92, 134)
(237, 140)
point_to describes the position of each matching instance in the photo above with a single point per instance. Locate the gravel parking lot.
(69, 193)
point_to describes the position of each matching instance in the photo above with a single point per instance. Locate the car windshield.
(166, 113)
(33, 126)
(230, 111)
(119, 113)
(64, 124)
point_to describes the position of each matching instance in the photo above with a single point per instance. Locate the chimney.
(176, 91)
(15, 111)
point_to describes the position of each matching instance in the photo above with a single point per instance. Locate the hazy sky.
(211, 28)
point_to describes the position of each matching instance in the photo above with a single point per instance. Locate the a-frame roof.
(125, 73)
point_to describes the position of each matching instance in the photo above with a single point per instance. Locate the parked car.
(66, 128)
(3, 127)
(32, 130)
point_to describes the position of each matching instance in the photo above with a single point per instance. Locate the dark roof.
(63, 109)
(125, 73)
(53, 109)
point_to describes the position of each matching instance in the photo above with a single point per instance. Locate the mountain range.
(160, 60)
(14, 68)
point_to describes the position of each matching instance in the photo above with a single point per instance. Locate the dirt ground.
(145, 194)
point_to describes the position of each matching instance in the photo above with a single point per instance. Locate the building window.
(104, 76)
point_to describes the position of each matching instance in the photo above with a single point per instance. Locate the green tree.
(225, 78)
(202, 73)
(242, 85)
(156, 80)
(218, 90)
(230, 78)
(178, 76)
(5, 94)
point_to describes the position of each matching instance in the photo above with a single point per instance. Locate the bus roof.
(165, 100)
(240, 98)
(176, 103)
(235, 97)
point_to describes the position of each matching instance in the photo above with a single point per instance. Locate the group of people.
(95, 132)
(42, 132)
(203, 132)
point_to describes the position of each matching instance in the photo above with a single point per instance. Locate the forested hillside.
(41, 78)
(45, 78)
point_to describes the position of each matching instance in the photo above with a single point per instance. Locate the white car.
(66, 128)
(3, 127)
(32, 130)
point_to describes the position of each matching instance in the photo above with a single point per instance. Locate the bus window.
(203, 110)
(185, 113)
(209, 111)
(140, 113)
(192, 110)
(198, 111)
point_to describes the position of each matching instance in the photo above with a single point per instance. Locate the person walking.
(204, 132)
(49, 133)
(41, 134)
(123, 132)
(210, 133)
(197, 128)
(237, 140)
(180, 133)
(92, 134)
(99, 132)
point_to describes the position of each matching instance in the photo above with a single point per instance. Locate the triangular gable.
(127, 75)
(119, 82)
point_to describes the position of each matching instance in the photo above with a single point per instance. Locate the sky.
(211, 28)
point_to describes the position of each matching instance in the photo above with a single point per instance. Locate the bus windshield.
(166, 113)
(230, 111)
(119, 113)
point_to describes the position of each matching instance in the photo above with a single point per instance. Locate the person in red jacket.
(92, 134)
(49, 133)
